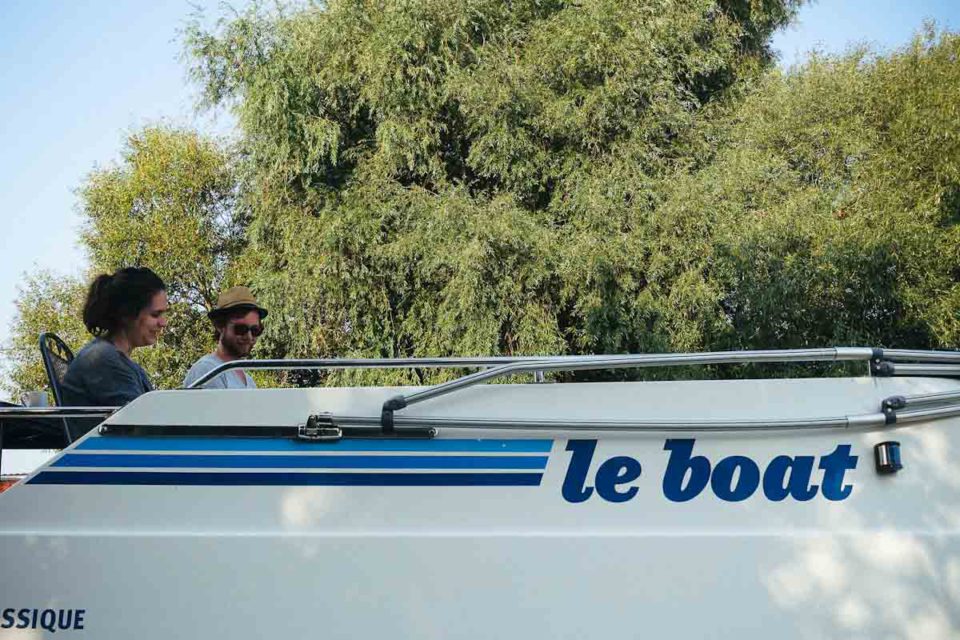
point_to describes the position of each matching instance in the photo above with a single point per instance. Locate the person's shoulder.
(97, 350)
(208, 360)
(95, 345)
(203, 364)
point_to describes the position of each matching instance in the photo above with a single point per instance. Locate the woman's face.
(150, 321)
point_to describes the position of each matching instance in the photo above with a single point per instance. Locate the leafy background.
(474, 177)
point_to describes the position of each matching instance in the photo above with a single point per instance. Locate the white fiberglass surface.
(756, 399)
(694, 534)
(572, 586)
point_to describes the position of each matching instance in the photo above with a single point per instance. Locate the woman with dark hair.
(123, 311)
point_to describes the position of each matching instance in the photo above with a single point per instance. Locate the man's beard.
(235, 350)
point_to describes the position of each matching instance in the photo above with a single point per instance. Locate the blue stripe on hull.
(147, 443)
(289, 479)
(300, 462)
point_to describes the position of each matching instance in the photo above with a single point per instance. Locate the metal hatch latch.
(319, 428)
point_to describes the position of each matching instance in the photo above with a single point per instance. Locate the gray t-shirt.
(101, 376)
(236, 379)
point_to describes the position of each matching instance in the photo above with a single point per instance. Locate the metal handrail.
(42, 414)
(56, 412)
(831, 422)
(362, 363)
(936, 413)
(924, 369)
(920, 400)
(913, 355)
(679, 359)
(932, 363)
(586, 363)
(365, 426)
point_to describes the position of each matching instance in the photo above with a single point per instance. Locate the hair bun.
(114, 299)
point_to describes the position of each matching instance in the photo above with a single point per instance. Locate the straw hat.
(236, 298)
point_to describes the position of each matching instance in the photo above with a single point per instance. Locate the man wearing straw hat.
(237, 322)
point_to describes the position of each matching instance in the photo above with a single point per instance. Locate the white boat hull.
(481, 534)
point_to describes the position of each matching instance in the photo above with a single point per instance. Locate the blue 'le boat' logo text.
(733, 479)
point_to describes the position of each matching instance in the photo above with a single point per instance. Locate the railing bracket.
(319, 428)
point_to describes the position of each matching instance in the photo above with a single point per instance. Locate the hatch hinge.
(319, 428)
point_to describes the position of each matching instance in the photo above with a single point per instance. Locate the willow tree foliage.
(827, 210)
(475, 176)
(170, 203)
(45, 302)
(467, 177)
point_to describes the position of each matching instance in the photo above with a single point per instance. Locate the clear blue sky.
(78, 75)
(833, 25)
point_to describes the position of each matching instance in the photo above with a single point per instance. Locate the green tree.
(473, 176)
(828, 212)
(476, 176)
(44, 302)
(170, 204)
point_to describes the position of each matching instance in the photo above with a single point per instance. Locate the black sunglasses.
(242, 329)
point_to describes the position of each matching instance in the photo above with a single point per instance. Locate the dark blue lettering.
(65, 623)
(834, 467)
(48, 620)
(747, 480)
(776, 487)
(23, 618)
(574, 485)
(677, 467)
(616, 471)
